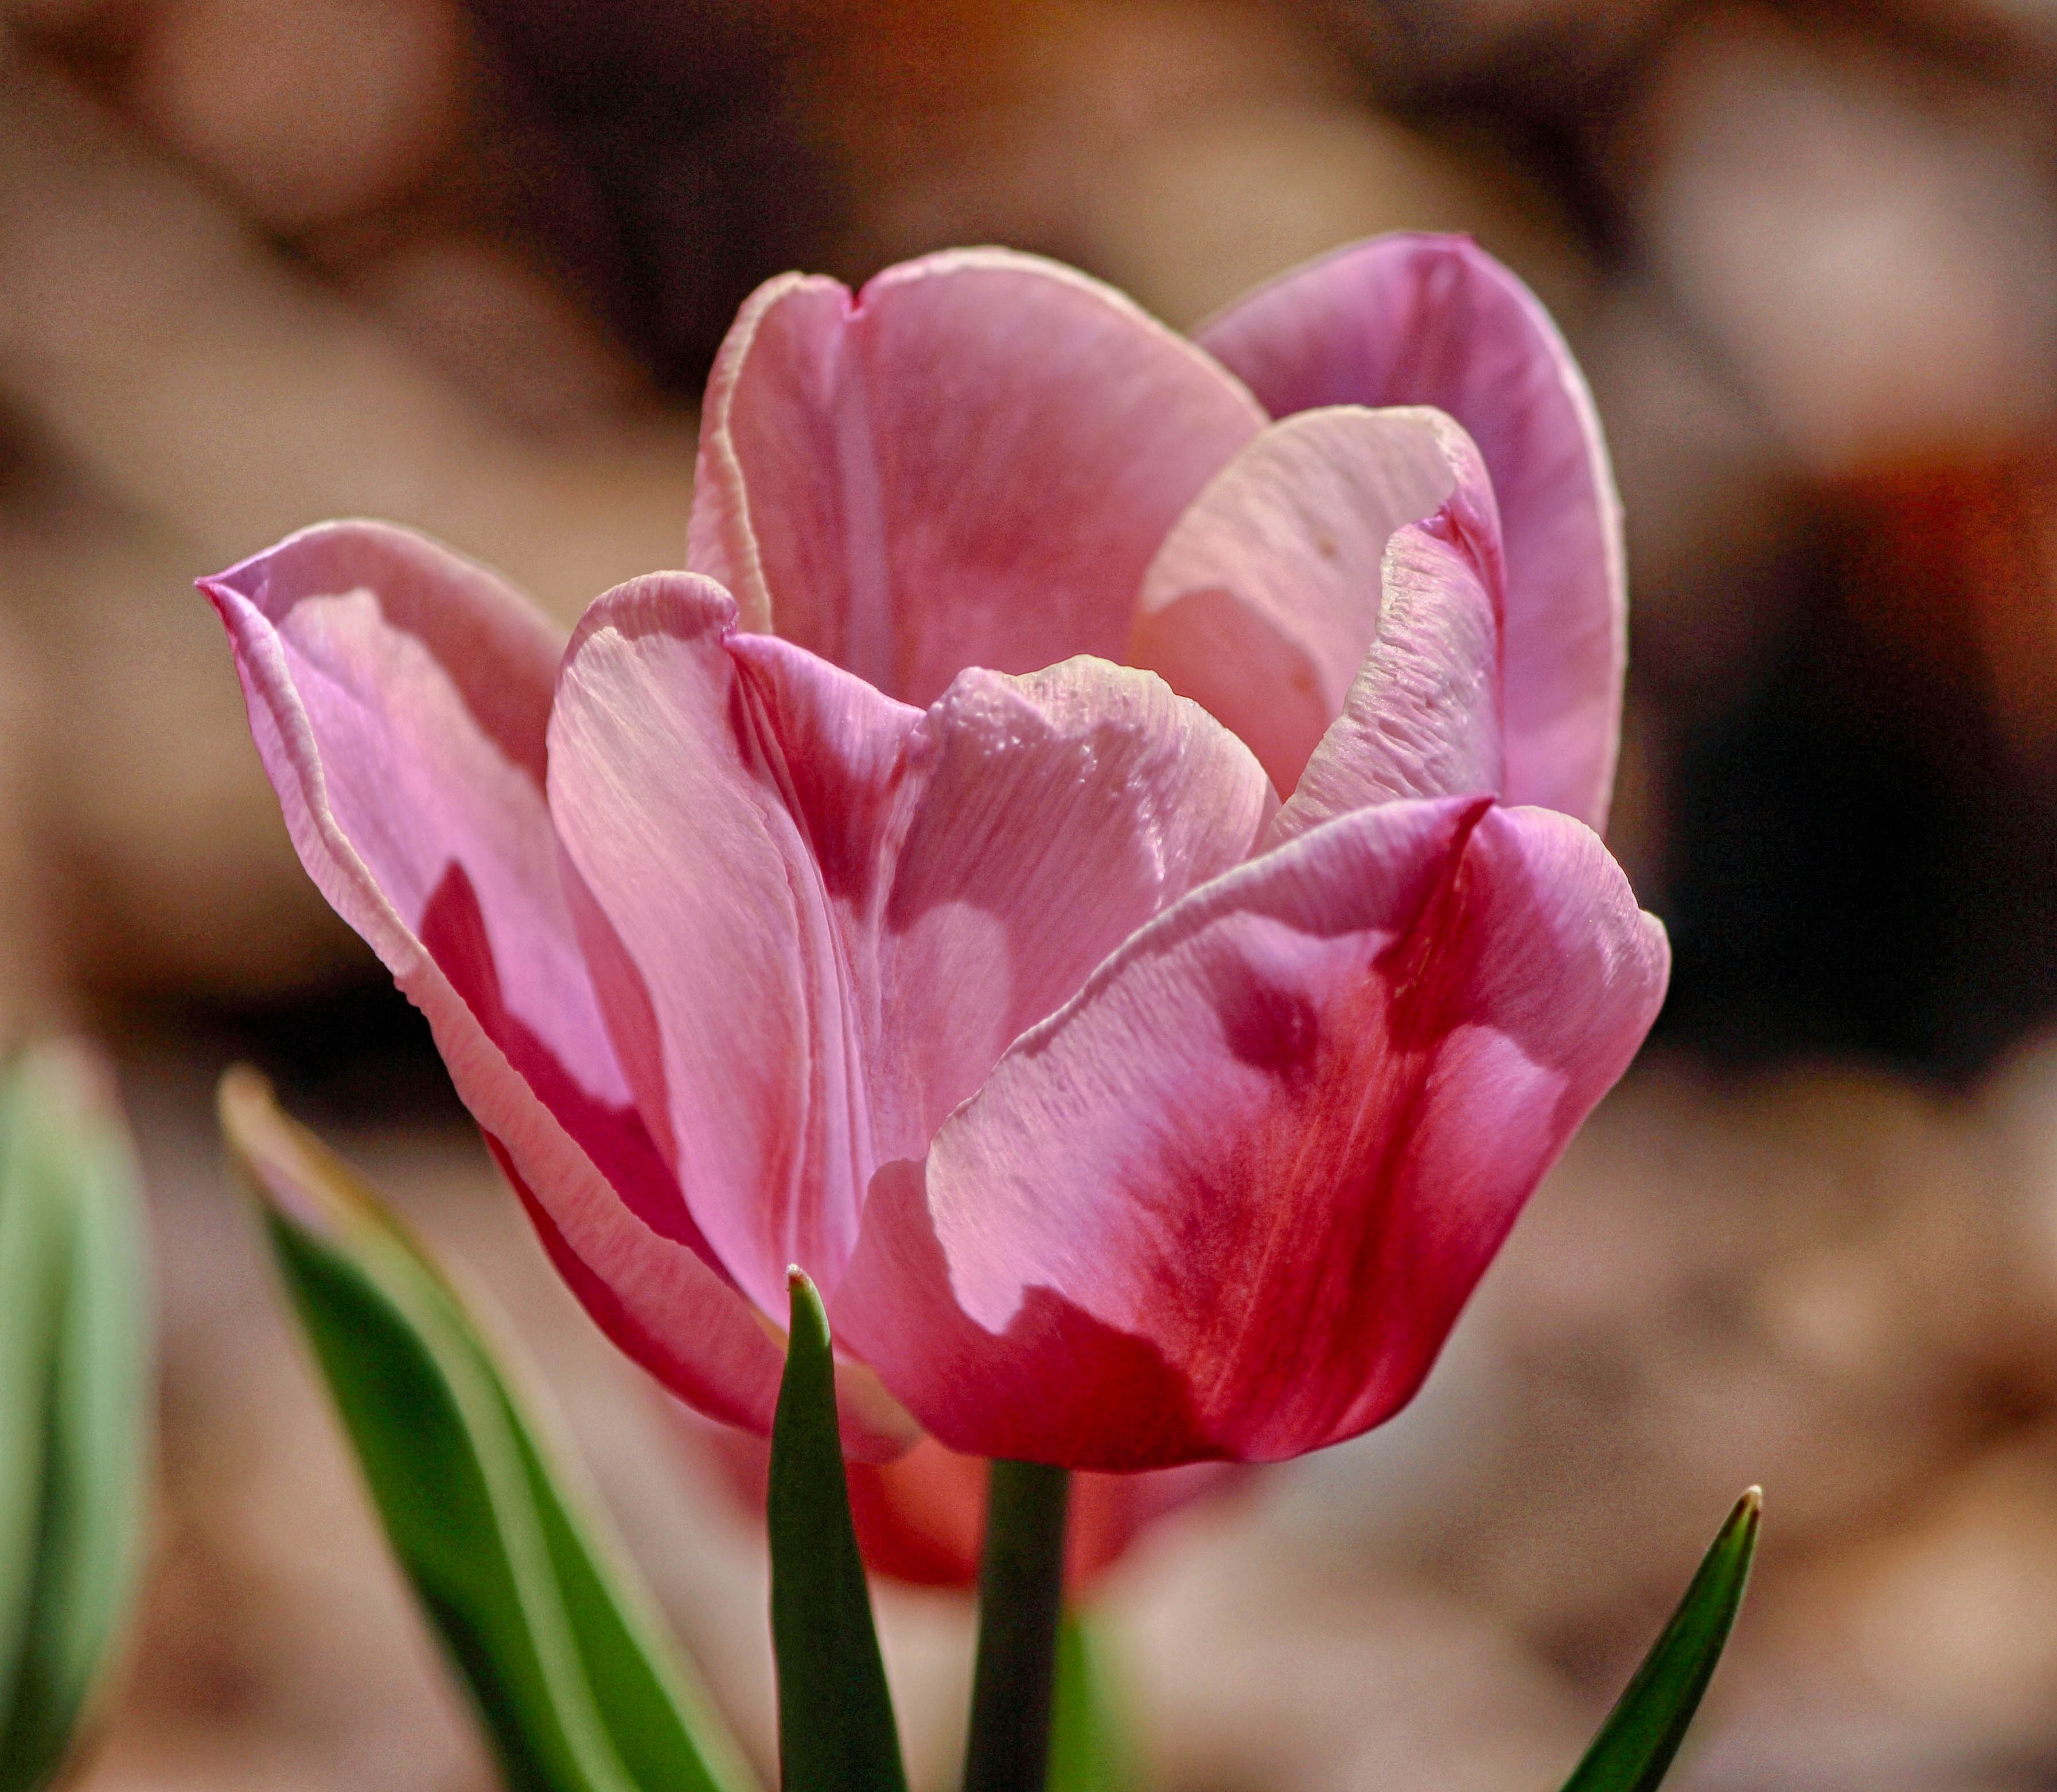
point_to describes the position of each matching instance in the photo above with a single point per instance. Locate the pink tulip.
(1124, 1116)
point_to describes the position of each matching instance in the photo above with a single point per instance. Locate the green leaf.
(1634, 1746)
(836, 1731)
(577, 1685)
(1088, 1752)
(75, 1401)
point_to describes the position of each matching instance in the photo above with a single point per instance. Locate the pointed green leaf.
(836, 1729)
(75, 1401)
(574, 1679)
(1634, 1746)
(1088, 1752)
(31, 1298)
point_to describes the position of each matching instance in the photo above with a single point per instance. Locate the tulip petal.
(707, 911)
(970, 462)
(1423, 716)
(1229, 1201)
(817, 917)
(921, 1517)
(1434, 320)
(1270, 591)
(1061, 811)
(399, 696)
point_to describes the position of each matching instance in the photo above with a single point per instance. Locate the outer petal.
(818, 916)
(1229, 1202)
(1268, 594)
(921, 1518)
(970, 463)
(1409, 320)
(397, 695)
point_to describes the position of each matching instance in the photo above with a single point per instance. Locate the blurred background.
(464, 264)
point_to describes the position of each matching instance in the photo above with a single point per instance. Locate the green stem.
(1020, 1594)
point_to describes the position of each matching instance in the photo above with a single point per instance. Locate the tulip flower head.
(1094, 859)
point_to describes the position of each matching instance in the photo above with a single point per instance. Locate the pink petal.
(682, 800)
(1423, 716)
(1229, 1202)
(1266, 597)
(969, 463)
(921, 1518)
(398, 697)
(1434, 320)
(817, 916)
(1061, 811)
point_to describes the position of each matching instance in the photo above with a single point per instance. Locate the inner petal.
(816, 918)
(682, 789)
(970, 462)
(1266, 596)
(1061, 811)
(1423, 716)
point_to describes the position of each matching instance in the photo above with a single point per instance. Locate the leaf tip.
(253, 1127)
(290, 1172)
(71, 1085)
(242, 1094)
(808, 1318)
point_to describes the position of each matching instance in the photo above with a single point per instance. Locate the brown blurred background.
(464, 262)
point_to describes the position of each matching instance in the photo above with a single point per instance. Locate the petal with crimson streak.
(969, 463)
(1229, 1202)
(397, 695)
(1434, 320)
